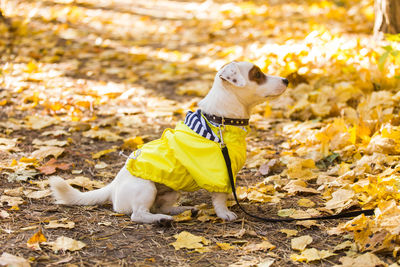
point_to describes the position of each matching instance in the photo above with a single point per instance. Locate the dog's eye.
(258, 75)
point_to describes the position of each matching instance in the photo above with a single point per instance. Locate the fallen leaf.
(132, 143)
(366, 260)
(8, 144)
(184, 216)
(22, 175)
(289, 232)
(187, 240)
(15, 192)
(102, 153)
(266, 262)
(40, 122)
(4, 214)
(311, 254)
(102, 135)
(52, 165)
(65, 243)
(55, 133)
(264, 245)
(51, 142)
(301, 242)
(85, 182)
(11, 201)
(10, 260)
(35, 240)
(46, 151)
(305, 202)
(298, 186)
(101, 165)
(62, 223)
(37, 194)
(341, 199)
(286, 212)
(225, 246)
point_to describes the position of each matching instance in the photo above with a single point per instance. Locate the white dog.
(189, 157)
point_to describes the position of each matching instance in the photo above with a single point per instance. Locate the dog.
(189, 157)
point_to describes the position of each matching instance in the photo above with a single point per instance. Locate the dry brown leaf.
(52, 165)
(301, 242)
(102, 135)
(15, 192)
(85, 182)
(40, 122)
(51, 142)
(37, 194)
(264, 245)
(366, 260)
(65, 243)
(11, 201)
(299, 186)
(341, 199)
(7, 259)
(46, 151)
(62, 223)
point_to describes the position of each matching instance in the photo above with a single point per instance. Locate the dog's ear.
(231, 73)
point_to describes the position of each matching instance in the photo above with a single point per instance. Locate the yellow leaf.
(38, 237)
(341, 199)
(225, 246)
(35, 240)
(27, 160)
(289, 232)
(311, 254)
(31, 67)
(301, 242)
(132, 143)
(187, 240)
(102, 153)
(184, 216)
(305, 202)
(267, 110)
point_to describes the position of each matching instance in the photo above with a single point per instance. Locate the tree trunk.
(387, 16)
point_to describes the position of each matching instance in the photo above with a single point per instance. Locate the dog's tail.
(66, 194)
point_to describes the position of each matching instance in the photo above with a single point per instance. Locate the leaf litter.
(77, 86)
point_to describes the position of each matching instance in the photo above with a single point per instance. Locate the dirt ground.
(75, 66)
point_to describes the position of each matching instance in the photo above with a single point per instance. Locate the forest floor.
(82, 80)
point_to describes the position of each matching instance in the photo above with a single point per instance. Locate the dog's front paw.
(227, 215)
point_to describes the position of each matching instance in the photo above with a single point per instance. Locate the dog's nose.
(285, 81)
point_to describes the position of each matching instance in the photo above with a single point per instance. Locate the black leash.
(225, 152)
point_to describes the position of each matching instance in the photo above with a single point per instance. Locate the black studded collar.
(226, 121)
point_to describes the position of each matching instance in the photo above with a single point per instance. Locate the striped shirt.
(196, 122)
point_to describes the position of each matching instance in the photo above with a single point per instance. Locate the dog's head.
(249, 83)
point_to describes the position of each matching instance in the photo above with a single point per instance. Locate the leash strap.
(225, 153)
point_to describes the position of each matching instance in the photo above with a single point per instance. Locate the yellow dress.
(184, 160)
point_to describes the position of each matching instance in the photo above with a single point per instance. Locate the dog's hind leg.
(136, 196)
(165, 204)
